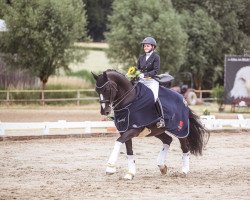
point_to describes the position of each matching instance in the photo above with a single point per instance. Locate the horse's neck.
(125, 88)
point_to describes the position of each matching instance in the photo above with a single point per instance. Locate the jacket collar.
(150, 57)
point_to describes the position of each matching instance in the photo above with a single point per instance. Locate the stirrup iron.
(160, 124)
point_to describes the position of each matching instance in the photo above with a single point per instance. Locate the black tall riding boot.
(159, 109)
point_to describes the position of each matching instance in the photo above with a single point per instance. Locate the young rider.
(149, 66)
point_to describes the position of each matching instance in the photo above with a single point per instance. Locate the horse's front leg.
(131, 161)
(111, 168)
(126, 136)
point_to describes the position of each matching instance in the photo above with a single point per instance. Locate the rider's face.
(147, 47)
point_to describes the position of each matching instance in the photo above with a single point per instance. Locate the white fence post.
(1, 129)
(46, 128)
(88, 127)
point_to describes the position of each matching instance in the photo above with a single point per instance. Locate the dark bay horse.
(116, 93)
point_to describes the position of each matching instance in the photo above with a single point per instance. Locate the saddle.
(164, 78)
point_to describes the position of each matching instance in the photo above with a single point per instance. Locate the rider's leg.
(154, 86)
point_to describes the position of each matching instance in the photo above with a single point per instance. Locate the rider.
(149, 66)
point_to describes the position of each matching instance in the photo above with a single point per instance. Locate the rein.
(115, 87)
(123, 97)
(107, 101)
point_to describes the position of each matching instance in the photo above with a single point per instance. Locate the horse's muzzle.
(105, 111)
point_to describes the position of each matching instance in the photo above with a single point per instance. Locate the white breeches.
(151, 84)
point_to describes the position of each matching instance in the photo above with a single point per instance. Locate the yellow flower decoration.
(206, 112)
(132, 73)
(131, 70)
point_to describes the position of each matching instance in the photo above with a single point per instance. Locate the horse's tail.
(198, 135)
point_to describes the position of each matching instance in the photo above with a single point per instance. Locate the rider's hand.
(141, 75)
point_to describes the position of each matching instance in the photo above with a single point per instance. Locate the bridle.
(114, 103)
(112, 84)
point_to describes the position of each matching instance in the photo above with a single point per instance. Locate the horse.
(117, 94)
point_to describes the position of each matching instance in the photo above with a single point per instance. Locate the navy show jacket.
(151, 67)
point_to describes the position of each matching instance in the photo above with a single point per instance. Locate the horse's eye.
(105, 90)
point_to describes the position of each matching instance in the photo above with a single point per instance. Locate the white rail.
(61, 124)
(210, 122)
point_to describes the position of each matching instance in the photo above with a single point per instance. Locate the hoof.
(109, 173)
(185, 171)
(163, 169)
(183, 175)
(160, 124)
(110, 170)
(129, 176)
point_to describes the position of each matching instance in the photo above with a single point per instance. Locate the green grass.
(83, 74)
(70, 82)
(96, 61)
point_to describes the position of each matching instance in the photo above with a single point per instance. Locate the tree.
(3, 5)
(41, 35)
(131, 21)
(97, 14)
(187, 5)
(203, 40)
(233, 17)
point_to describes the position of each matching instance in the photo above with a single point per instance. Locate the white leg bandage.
(131, 168)
(131, 164)
(162, 155)
(185, 162)
(114, 155)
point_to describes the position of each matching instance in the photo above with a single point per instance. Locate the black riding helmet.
(149, 40)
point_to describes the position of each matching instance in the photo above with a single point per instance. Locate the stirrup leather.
(159, 109)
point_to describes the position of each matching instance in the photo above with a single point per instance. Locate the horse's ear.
(94, 75)
(105, 76)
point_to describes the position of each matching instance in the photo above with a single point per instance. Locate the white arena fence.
(209, 121)
(86, 126)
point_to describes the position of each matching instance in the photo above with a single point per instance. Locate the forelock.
(100, 81)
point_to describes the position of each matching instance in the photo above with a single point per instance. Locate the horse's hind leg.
(166, 140)
(185, 155)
